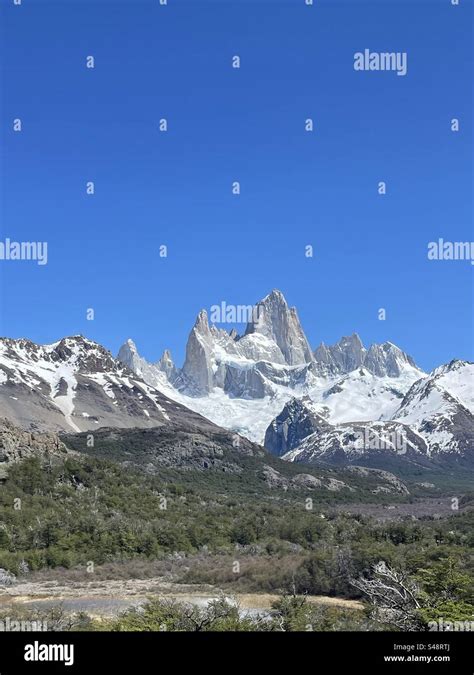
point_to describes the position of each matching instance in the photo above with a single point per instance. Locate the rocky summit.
(340, 403)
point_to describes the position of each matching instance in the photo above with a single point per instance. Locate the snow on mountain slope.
(281, 326)
(216, 358)
(340, 402)
(243, 382)
(457, 377)
(384, 360)
(76, 385)
(452, 383)
(153, 374)
(440, 407)
(298, 419)
(430, 423)
(361, 396)
(300, 434)
(352, 442)
(247, 417)
(356, 397)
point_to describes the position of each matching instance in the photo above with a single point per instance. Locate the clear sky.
(225, 124)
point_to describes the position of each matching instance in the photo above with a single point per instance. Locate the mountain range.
(340, 404)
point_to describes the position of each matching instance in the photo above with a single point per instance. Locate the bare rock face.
(392, 482)
(345, 356)
(245, 383)
(273, 478)
(16, 444)
(383, 360)
(76, 385)
(280, 323)
(335, 485)
(155, 374)
(198, 364)
(166, 365)
(308, 481)
(129, 356)
(297, 420)
(243, 365)
(387, 359)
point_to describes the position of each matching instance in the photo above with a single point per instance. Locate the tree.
(394, 596)
(445, 582)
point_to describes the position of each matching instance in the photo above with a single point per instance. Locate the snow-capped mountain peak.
(387, 359)
(349, 353)
(265, 381)
(242, 382)
(75, 384)
(278, 322)
(298, 419)
(344, 356)
(433, 421)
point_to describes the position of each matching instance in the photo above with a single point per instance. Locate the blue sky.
(246, 124)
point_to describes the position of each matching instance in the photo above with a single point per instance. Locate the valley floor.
(435, 507)
(108, 598)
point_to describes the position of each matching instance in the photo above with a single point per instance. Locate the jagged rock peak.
(166, 356)
(166, 365)
(349, 353)
(345, 356)
(453, 366)
(128, 353)
(87, 355)
(280, 323)
(387, 359)
(298, 419)
(197, 368)
(131, 345)
(202, 322)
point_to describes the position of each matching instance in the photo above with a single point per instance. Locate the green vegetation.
(68, 513)
(289, 614)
